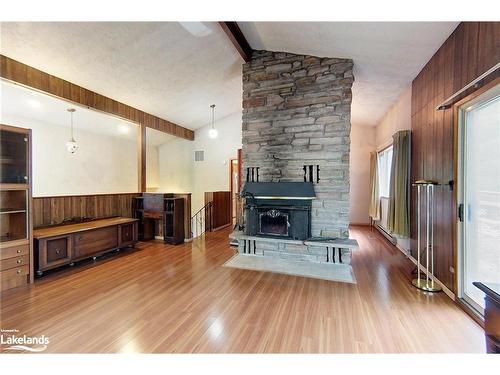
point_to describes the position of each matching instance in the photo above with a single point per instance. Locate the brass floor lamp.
(426, 188)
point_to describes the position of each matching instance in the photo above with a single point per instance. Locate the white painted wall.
(176, 166)
(362, 143)
(397, 118)
(213, 173)
(179, 173)
(152, 168)
(102, 163)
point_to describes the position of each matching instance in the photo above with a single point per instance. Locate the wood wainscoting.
(221, 209)
(470, 51)
(53, 210)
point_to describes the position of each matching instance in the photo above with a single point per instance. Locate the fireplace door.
(274, 223)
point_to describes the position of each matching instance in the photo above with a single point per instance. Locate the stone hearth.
(336, 251)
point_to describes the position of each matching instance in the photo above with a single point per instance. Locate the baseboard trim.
(221, 227)
(390, 238)
(447, 291)
(360, 224)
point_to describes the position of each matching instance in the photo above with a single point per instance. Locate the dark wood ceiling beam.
(236, 37)
(26, 75)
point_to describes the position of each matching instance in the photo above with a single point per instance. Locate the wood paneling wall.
(26, 75)
(221, 209)
(53, 210)
(472, 49)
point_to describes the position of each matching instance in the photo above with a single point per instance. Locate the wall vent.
(199, 155)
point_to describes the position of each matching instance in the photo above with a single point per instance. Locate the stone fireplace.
(296, 144)
(296, 128)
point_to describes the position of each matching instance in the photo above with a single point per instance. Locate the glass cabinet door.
(13, 157)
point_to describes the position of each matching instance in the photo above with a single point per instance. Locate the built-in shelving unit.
(167, 209)
(16, 255)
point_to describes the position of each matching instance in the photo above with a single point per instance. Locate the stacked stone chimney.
(296, 112)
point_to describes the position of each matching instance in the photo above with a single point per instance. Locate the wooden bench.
(65, 244)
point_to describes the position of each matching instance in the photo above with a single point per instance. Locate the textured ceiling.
(387, 55)
(159, 67)
(165, 70)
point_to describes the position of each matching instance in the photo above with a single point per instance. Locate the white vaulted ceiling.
(158, 67)
(165, 70)
(387, 55)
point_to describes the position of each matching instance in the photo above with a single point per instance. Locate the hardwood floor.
(164, 299)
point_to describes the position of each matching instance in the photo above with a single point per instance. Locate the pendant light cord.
(213, 115)
(72, 137)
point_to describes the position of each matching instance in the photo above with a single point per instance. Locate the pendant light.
(71, 145)
(212, 133)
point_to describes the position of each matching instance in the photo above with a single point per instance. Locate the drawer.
(152, 215)
(15, 272)
(14, 277)
(54, 251)
(94, 241)
(127, 234)
(58, 249)
(14, 262)
(14, 251)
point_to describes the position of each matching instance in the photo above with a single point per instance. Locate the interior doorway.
(234, 188)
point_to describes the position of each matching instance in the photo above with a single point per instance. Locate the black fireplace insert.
(278, 209)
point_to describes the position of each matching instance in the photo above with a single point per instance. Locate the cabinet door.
(13, 157)
(54, 251)
(95, 241)
(127, 234)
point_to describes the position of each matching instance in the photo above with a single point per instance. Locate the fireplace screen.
(273, 222)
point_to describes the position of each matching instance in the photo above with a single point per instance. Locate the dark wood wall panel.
(472, 49)
(53, 210)
(18, 72)
(221, 209)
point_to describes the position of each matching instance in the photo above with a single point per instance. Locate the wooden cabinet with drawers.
(65, 244)
(54, 251)
(15, 207)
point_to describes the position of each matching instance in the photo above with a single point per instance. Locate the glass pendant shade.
(71, 146)
(213, 133)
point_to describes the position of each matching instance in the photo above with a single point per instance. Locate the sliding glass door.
(479, 196)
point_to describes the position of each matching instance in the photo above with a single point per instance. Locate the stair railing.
(201, 221)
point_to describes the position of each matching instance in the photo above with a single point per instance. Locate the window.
(384, 171)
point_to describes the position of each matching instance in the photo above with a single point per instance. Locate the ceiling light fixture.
(212, 133)
(71, 145)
